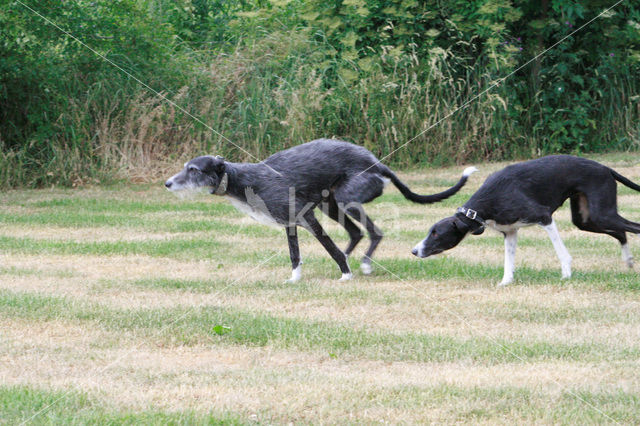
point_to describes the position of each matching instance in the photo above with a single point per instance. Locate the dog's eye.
(193, 169)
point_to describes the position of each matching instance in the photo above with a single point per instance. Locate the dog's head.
(442, 236)
(201, 172)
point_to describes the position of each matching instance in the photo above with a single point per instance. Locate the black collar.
(478, 223)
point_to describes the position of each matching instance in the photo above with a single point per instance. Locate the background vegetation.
(272, 74)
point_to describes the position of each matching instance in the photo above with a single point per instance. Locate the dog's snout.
(414, 251)
(168, 184)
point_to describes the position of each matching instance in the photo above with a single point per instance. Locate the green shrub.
(397, 77)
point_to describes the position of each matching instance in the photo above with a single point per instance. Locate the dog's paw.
(504, 283)
(366, 268)
(295, 275)
(346, 277)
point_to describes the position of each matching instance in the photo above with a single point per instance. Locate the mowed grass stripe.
(443, 269)
(219, 217)
(283, 292)
(448, 403)
(418, 276)
(102, 205)
(316, 266)
(140, 222)
(536, 314)
(20, 403)
(190, 326)
(176, 248)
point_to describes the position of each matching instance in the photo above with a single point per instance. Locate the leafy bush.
(272, 74)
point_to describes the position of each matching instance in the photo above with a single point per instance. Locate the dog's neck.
(473, 218)
(239, 177)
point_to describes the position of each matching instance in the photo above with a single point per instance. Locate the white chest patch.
(507, 228)
(259, 212)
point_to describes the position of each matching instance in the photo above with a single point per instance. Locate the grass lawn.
(128, 305)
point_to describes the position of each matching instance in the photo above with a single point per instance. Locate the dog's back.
(548, 181)
(323, 157)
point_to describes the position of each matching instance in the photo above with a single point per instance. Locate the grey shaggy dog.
(285, 189)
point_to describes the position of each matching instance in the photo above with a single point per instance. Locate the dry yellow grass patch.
(424, 307)
(287, 384)
(109, 234)
(124, 268)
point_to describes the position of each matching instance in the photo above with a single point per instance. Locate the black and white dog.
(528, 193)
(285, 189)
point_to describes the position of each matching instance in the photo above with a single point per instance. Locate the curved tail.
(623, 180)
(427, 199)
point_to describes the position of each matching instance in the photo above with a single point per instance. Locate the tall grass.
(273, 93)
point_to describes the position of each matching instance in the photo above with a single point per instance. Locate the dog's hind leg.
(330, 208)
(602, 214)
(375, 234)
(510, 242)
(294, 253)
(350, 196)
(313, 226)
(581, 217)
(561, 250)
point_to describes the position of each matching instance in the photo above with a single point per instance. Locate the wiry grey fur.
(286, 188)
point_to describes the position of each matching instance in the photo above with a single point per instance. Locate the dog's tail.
(623, 180)
(427, 199)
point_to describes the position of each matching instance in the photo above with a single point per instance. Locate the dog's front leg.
(294, 253)
(312, 224)
(510, 242)
(561, 250)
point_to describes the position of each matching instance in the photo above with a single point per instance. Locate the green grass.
(248, 347)
(80, 219)
(174, 248)
(23, 404)
(191, 326)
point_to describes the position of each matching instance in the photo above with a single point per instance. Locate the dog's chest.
(257, 212)
(506, 228)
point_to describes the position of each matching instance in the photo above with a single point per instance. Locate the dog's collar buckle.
(473, 215)
(470, 213)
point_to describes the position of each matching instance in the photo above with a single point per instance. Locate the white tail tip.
(469, 171)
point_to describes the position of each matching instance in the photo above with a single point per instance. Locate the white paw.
(366, 268)
(505, 281)
(630, 263)
(345, 277)
(295, 275)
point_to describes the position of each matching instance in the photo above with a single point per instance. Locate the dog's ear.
(478, 231)
(214, 165)
(461, 226)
